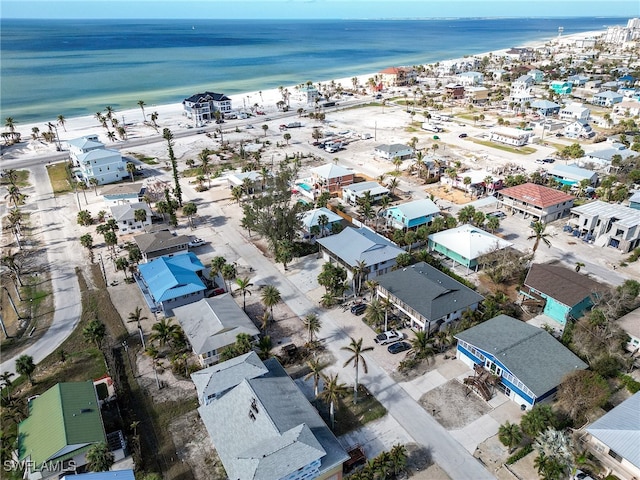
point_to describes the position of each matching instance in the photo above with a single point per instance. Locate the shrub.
(632, 385)
(523, 452)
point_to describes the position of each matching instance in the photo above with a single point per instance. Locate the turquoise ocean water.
(74, 67)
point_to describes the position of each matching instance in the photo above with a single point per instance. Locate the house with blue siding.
(529, 362)
(169, 282)
(411, 214)
(562, 292)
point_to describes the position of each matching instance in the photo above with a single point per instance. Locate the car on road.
(462, 135)
(196, 242)
(548, 160)
(436, 137)
(249, 127)
(398, 347)
(559, 135)
(539, 161)
(580, 475)
(389, 336)
(497, 214)
(359, 308)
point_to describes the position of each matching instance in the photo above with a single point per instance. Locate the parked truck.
(431, 127)
(290, 125)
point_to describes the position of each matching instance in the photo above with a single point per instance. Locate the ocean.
(77, 67)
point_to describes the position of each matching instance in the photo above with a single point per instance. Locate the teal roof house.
(464, 245)
(427, 296)
(63, 423)
(412, 214)
(169, 282)
(529, 362)
(263, 427)
(561, 88)
(561, 292)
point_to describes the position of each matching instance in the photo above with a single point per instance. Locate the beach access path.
(56, 218)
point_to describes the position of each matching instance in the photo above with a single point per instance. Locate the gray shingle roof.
(428, 291)
(155, 241)
(361, 244)
(219, 378)
(122, 189)
(213, 323)
(530, 353)
(619, 429)
(126, 211)
(265, 429)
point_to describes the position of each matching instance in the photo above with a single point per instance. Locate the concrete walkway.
(56, 216)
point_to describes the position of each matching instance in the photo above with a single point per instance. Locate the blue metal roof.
(171, 277)
(112, 475)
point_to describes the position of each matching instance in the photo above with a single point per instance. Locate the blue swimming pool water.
(304, 186)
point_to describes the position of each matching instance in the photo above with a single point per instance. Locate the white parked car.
(196, 242)
(389, 336)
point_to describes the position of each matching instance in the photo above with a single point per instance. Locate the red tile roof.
(536, 195)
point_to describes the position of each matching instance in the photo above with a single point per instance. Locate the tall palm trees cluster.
(387, 465)
(16, 198)
(109, 120)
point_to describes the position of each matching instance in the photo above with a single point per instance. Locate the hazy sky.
(316, 8)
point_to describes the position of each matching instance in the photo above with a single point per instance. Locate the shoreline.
(171, 115)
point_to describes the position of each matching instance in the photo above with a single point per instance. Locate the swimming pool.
(304, 186)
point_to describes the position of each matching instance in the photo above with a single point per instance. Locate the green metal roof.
(62, 421)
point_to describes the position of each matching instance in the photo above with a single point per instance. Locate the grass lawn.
(22, 179)
(506, 148)
(59, 178)
(349, 417)
(143, 158)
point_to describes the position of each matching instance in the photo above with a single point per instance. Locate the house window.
(615, 456)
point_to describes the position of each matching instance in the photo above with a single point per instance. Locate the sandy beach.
(172, 115)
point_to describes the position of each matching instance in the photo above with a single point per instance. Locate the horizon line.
(200, 19)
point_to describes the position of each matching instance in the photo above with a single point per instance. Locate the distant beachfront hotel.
(202, 107)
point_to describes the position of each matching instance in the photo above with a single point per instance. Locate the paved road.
(56, 220)
(446, 451)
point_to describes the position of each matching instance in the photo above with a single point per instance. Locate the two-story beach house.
(262, 425)
(411, 215)
(161, 243)
(464, 245)
(391, 152)
(542, 204)
(607, 98)
(358, 191)
(574, 111)
(509, 136)
(212, 324)
(169, 282)
(331, 177)
(129, 218)
(427, 296)
(355, 247)
(609, 224)
(122, 193)
(201, 107)
(92, 160)
(528, 362)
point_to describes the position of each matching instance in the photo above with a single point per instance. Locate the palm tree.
(136, 316)
(264, 347)
(312, 323)
(62, 121)
(264, 321)
(510, 435)
(5, 383)
(398, 458)
(190, 209)
(421, 347)
(356, 349)
(216, 265)
(315, 371)
(270, 297)
(228, 273)
(140, 215)
(25, 366)
(375, 312)
(243, 286)
(141, 105)
(131, 169)
(165, 332)
(95, 332)
(99, 458)
(86, 241)
(539, 235)
(265, 127)
(332, 393)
